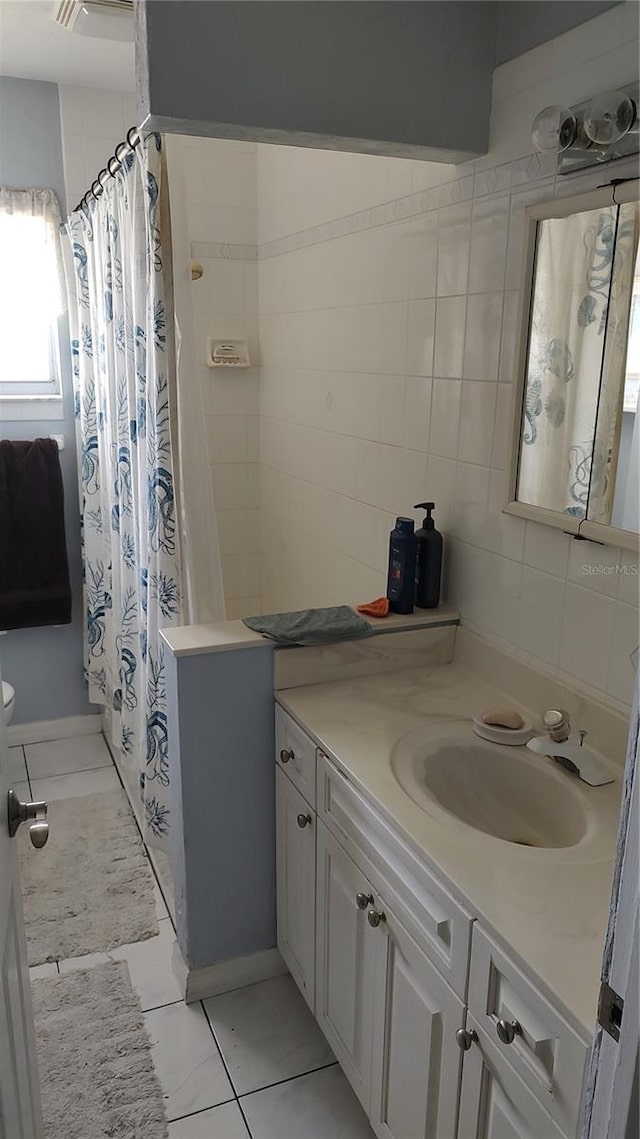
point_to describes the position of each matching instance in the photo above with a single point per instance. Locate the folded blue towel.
(311, 626)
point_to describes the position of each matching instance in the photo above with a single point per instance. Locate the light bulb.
(608, 117)
(554, 128)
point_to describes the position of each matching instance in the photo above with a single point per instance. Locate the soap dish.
(497, 735)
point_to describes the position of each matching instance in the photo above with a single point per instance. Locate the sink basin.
(503, 791)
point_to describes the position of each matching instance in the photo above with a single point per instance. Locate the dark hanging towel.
(34, 571)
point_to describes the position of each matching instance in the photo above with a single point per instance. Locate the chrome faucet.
(567, 748)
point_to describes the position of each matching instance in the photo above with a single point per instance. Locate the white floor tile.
(150, 967)
(16, 770)
(223, 1122)
(266, 1034)
(149, 964)
(76, 784)
(186, 1059)
(49, 969)
(59, 757)
(318, 1106)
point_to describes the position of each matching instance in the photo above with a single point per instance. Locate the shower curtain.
(581, 304)
(122, 355)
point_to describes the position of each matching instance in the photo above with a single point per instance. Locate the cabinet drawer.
(296, 754)
(546, 1052)
(429, 913)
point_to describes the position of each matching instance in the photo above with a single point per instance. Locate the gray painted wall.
(527, 23)
(402, 78)
(223, 803)
(324, 72)
(44, 665)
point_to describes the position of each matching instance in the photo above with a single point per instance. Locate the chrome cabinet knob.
(508, 1030)
(304, 820)
(364, 900)
(286, 754)
(374, 917)
(465, 1037)
(19, 812)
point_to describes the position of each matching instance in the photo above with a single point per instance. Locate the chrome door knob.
(304, 820)
(465, 1037)
(508, 1030)
(364, 900)
(374, 917)
(19, 812)
(286, 754)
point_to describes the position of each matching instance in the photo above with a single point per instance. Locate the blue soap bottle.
(401, 577)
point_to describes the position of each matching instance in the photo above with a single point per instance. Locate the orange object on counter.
(377, 608)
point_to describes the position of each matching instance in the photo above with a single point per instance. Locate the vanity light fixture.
(598, 130)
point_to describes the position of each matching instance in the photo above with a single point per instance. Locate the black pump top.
(428, 523)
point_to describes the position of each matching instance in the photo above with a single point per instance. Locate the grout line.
(168, 1004)
(246, 1123)
(225, 1066)
(289, 1079)
(201, 1110)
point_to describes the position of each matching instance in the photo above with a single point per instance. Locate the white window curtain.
(31, 292)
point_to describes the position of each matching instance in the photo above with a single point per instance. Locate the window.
(31, 295)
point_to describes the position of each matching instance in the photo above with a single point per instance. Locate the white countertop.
(222, 636)
(548, 907)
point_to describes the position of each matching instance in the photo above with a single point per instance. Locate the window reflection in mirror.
(580, 436)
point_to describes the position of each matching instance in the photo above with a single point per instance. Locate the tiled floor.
(249, 1063)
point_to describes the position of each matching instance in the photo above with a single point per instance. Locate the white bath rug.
(96, 1073)
(91, 887)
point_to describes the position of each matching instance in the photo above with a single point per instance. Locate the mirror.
(577, 445)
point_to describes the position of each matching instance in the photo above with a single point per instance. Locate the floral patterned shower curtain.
(121, 360)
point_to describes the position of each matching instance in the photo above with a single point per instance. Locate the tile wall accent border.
(523, 172)
(223, 251)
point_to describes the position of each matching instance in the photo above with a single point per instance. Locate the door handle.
(19, 812)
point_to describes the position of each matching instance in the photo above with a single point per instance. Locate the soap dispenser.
(428, 560)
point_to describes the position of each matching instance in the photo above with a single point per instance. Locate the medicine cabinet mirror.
(576, 454)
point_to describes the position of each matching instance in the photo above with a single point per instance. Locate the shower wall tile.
(220, 181)
(388, 298)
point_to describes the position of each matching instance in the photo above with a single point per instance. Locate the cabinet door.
(495, 1103)
(416, 1060)
(345, 962)
(296, 886)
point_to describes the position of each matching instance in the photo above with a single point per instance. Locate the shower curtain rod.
(111, 169)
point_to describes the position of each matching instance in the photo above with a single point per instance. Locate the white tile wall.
(220, 185)
(388, 308)
(93, 122)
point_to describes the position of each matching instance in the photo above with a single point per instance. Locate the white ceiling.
(33, 46)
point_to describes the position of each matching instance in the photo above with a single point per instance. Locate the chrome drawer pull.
(465, 1037)
(374, 917)
(508, 1030)
(364, 900)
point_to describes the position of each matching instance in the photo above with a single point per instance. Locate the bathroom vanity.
(452, 965)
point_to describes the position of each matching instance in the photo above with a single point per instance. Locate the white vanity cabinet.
(494, 1102)
(386, 958)
(416, 1061)
(345, 961)
(296, 884)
